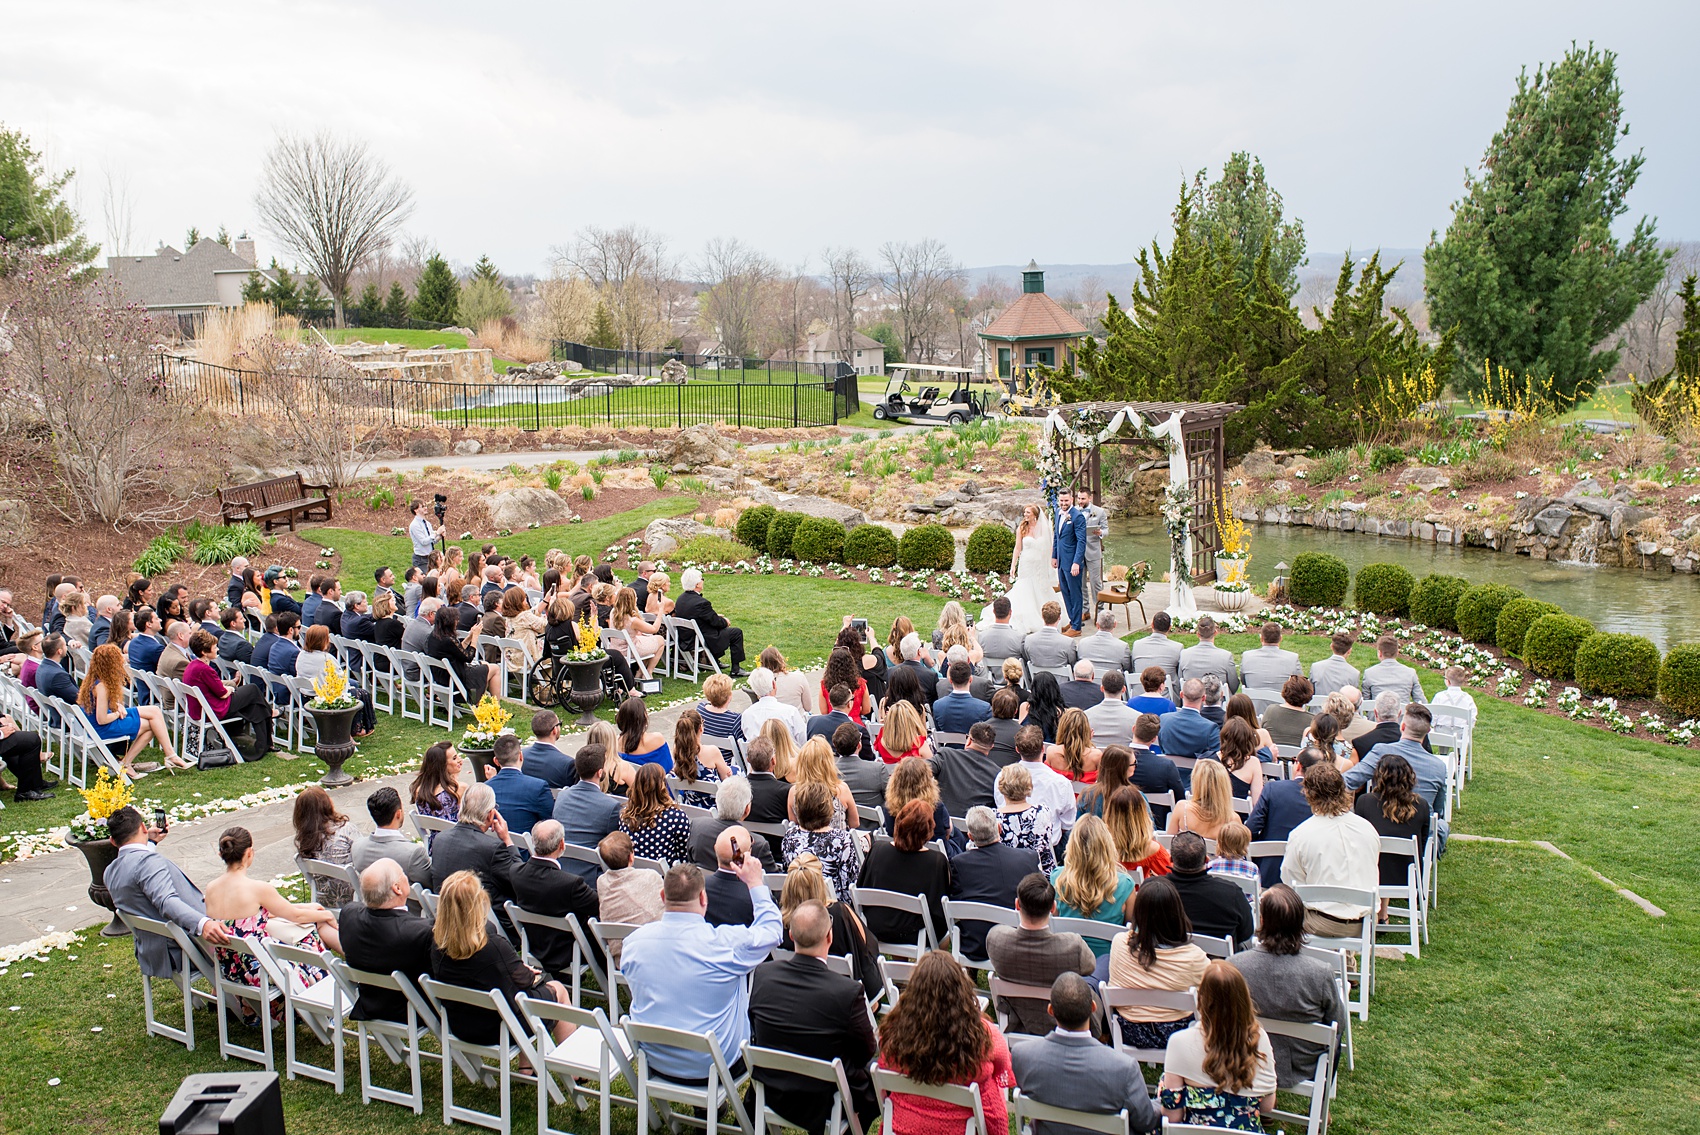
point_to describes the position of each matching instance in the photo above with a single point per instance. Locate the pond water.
(1662, 607)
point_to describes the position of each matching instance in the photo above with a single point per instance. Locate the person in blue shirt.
(1151, 699)
(145, 645)
(544, 758)
(586, 811)
(686, 974)
(524, 801)
(959, 709)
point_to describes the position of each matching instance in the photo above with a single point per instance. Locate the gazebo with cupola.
(1033, 330)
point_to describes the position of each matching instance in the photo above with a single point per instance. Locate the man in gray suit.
(1267, 667)
(1069, 1068)
(1000, 639)
(1205, 657)
(1112, 720)
(1097, 527)
(1048, 648)
(146, 883)
(1334, 672)
(1105, 650)
(1158, 649)
(1392, 674)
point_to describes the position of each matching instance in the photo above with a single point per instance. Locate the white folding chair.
(927, 939)
(1214, 947)
(606, 934)
(1002, 991)
(259, 998)
(1459, 723)
(398, 1040)
(195, 966)
(1319, 1086)
(959, 1095)
(656, 1091)
(317, 872)
(1411, 893)
(679, 656)
(1335, 960)
(442, 690)
(209, 726)
(955, 740)
(493, 1061)
(958, 912)
(529, 925)
(322, 1007)
(1088, 928)
(425, 825)
(1025, 1110)
(1251, 887)
(1362, 944)
(411, 683)
(1113, 998)
(594, 1053)
(1261, 698)
(842, 1120)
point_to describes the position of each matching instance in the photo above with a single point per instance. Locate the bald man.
(381, 936)
(728, 896)
(541, 886)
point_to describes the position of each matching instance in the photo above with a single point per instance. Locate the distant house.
(1034, 329)
(187, 284)
(867, 355)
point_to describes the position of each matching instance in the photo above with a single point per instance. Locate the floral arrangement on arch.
(1180, 512)
(331, 691)
(489, 721)
(105, 796)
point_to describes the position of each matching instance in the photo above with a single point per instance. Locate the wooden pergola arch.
(1206, 461)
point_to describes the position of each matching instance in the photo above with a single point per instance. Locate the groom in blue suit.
(1068, 556)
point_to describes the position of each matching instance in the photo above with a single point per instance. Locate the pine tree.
(1687, 366)
(1672, 400)
(223, 236)
(283, 294)
(1241, 208)
(1529, 272)
(484, 270)
(371, 306)
(314, 302)
(254, 288)
(482, 300)
(437, 293)
(34, 215)
(602, 329)
(395, 307)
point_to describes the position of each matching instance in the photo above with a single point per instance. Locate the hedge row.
(823, 541)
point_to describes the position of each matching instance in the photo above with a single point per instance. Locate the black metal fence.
(800, 399)
(724, 368)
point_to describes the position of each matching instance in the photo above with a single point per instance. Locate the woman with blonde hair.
(1209, 807)
(913, 780)
(784, 748)
(1023, 823)
(815, 765)
(805, 882)
(646, 638)
(1091, 882)
(692, 763)
(789, 686)
(1221, 1071)
(465, 953)
(1129, 821)
(655, 602)
(1074, 755)
(102, 698)
(901, 734)
(659, 828)
(78, 625)
(961, 634)
(951, 615)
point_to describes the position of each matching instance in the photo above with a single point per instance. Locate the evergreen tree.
(1241, 208)
(484, 270)
(283, 293)
(437, 293)
(395, 307)
(482, 300)
(1672, 400)
(602, 329)
(254, 288)
(223, 236)
(1529, 272)
(191, 238)
(886, 336)
(371, 306)
(34, 215)
(314, 302)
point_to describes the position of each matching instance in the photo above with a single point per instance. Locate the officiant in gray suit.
(1097, 527)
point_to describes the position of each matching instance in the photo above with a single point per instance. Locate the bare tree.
(325, 405)
(332, 203)
(629, 267)
(566, 304)
(1650, 334)
(921, 278)
(851, 278)
(737, 277)
(119, 210)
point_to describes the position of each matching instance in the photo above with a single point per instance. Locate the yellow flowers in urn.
(588, 642)
(108, 794)
(332, 689)
(490, 721)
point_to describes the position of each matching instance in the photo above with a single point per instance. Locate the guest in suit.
(959, 709)
(989, 872)
(329, 612)
(1112, 719)
(1205, 657)
(719, 635)
(1158, 649)
(51, 677)
(357, 621)
(1334, 672)
(586, 811)
(1048, 648)
(281, 658)
(144, 882)
(543, 758)
(1105, 650)
(1152, 771)
(176, 656)
(1390, 674)
(145, 644)
(388, 841)
(524, 801)
(380, 935)
(543, 885)
(799, 1006)
(1267, 667)
(1083, 691)
(999, 639)
(839, 700)
(1186, 732)
(1069, 1068)
(233, 646)
(729, 902)
(1386, 730)
(966, 775)
(768, 794)
(865, 777)
(479, 842)
(731, 809)
(1281, 807)
(1034, 954)
(1286, 984)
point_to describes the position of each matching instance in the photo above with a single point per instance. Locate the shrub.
(1618, 665)
(1515, 619)
(819, 540)
(1679, 679)
(1434, 600)
(704, 549)
(1551, 644)
(1384, 457)
(1331, 466)
(162, 552)
(1318, 580)
(752, 525)
(1384, 589)
(927, 546)
(780, 532)
(990, 548)
(1478, 610)
(870, 544)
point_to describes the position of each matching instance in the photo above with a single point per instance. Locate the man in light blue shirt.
(686, 974)
(1430, 770)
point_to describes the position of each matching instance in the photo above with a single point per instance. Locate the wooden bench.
(279, 501)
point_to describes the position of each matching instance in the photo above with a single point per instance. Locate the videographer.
(423, 534)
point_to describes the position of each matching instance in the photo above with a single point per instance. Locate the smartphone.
(859, 624)
(737, 852)
(970, 619)
(159, 819)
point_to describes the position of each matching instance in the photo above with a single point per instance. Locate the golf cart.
(922, 401)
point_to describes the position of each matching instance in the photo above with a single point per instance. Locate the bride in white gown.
(1032, 578)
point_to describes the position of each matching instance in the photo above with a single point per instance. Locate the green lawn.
(1544, 1003)
(406, 337)
(712, 396)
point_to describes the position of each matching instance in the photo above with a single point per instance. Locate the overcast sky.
(1053, 130)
